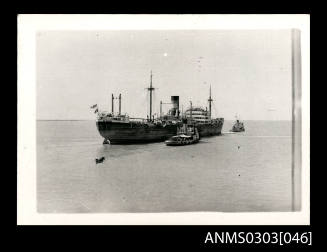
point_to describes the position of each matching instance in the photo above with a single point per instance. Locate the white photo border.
(29, 24)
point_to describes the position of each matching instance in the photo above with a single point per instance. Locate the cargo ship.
(122, 129)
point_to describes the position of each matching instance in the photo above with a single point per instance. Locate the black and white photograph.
(146, 120)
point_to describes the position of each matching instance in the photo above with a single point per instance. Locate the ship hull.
(131, 132)
(125, 133)
(210, 129)
(237, 130)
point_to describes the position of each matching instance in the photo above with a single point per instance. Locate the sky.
(249, 72)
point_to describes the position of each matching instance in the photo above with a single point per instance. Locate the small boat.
(188, 134)
(99, 160)
(238, 127)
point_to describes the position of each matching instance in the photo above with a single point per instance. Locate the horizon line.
(145, 118)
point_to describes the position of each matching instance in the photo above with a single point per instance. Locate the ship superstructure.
(202, 119)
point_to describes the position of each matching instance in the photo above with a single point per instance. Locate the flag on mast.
(94, 106)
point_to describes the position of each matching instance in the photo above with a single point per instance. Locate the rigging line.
(214, 107)
(154, 103)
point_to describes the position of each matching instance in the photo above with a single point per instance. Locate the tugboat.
(238, 126)
(187, 134)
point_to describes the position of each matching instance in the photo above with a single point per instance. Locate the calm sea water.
(213, 175)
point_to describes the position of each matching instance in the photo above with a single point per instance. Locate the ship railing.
(103, 116)
(136, 119)
(200, 120)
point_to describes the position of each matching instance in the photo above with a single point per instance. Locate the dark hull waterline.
(131, 133)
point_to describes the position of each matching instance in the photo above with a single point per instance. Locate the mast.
(191, 111)
(150, 89)
(160, 109)
(119, 103)
(112, 103)
(210, 100)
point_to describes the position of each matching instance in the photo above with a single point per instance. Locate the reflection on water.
(213, 175)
